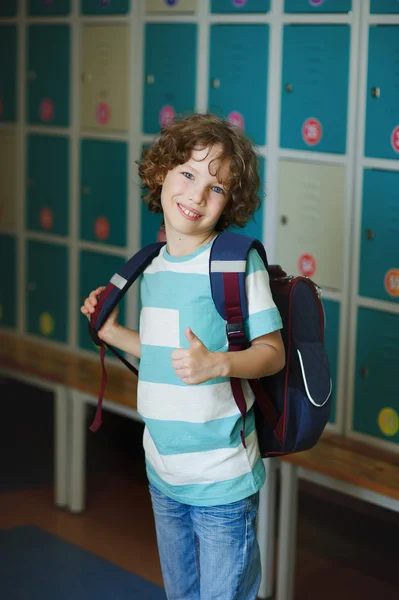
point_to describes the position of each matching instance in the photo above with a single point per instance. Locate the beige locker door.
(105, 75)
(179, 6)
(310, 226)
(8, 173)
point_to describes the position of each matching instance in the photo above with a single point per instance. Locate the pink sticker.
(48, 2)
(166, 115)
(101, 228)
(239, 3)
(46, 218)
(391, 282)
(316, 2)
(46, 110)
(307, 265)
(312, 131)
(103, 113)
(1, 106)
(236, 118)
(161, 235)
(395, 139)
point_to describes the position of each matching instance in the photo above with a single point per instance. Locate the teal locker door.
(384, 6)
(382, 118)
(376, 400)
(8, 73)
(95, 269)
(103, 195)
(47, 290)
(331, 342)
(47, 193)
(104, 7)
(8, 278)
(379, 251)
(242, 6)
(254, 228)
(321, 6)
(314, 91)
(150, 224)
(168, 89)
(238, 76)
(48, 74)
(8, 8)
(48, 7)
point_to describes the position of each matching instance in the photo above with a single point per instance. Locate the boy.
(201, 174)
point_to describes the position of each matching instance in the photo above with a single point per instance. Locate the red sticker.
(307, 265)
(395, 139)
(103, 113)
(46, 218)
(236, 118)
(46, 110)
(391, 282)
(101, 228)
(312, 131)
(166, 115)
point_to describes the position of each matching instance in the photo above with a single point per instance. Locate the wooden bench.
(347, 466)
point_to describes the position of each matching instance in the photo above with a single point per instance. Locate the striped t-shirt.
(192, 443)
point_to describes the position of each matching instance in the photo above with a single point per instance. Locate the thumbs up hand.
(195, 364)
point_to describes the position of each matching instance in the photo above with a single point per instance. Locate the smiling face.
(194, 194)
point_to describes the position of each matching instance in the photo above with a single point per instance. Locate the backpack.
(291, 407)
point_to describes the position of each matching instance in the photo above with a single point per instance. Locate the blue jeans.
(208, 552)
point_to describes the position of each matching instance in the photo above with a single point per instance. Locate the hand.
(88, 309)
(195, 364)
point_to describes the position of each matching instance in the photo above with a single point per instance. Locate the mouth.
(188, 213)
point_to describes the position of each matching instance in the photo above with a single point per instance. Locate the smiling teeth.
(189, 213)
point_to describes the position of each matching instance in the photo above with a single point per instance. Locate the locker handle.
(31, 287)
(364, 372)
(32, 75)
(86, 77)
(150, 79)
(215, 83)
(375, 92)
(288, 87)
(284, 220)
(85, 190)
(369, 234)
(30, 183)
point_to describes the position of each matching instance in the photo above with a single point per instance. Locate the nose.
(198, 196)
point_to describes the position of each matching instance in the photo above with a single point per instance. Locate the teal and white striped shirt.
(192, 439)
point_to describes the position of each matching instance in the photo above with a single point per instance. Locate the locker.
(48, 75)
(8, 73)
(47, 290)
(314, 95)
(8, 180)
(321, 6)
(8, 276)
(243, 6)
(47, 186)
(382, 115)
(384, 6)
(103, 193)
(105, 77)
(171, 6)
(310, 228)
(255, 227)
(104, 7)
(48, 7)
(376, 399)
(8, 8)
(238, 76)
(379, 251)
(168, 90)
(95, 269)
(331, 344)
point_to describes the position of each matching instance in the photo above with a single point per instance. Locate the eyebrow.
(189, 163)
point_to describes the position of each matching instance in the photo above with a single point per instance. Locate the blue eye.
(218, 189)
(188, 175)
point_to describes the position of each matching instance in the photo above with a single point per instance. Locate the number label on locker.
(8, 73)
(8, 180)
(311, 221)
(238, 76)
(8, 274)
(321, 6)
(242, 6)
(104, 81)
(314, 100)
(104, 7)
(168, 6)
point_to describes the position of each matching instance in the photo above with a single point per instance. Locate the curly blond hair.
(174, 146)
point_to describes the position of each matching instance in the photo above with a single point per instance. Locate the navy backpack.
(292, 407)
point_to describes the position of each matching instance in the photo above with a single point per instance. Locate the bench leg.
(287, 532)
(266, 529)
(77, 445)
(61, 447)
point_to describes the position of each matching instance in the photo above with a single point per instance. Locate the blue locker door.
(238, 76)
(321, 6)
(382, 118)
(8, 8)
(240, 6)
(376, 401)
(48, 7)
(103, 195)
(379, 253)
(331, 341)
(384, 6)
(314, 100)
(8, 278)
(96, 269)
(48, 74)
(47, 194)
(47, 290)
(104, 7)
(254, 228)
(170, 73)
(8, 73)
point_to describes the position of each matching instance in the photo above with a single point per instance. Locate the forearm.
(122, 338)
(257, 361)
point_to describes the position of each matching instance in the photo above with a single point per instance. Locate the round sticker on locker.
(236, 118)
(46, 218)
(391, 282)
(46, 110)
(171, 2)
(239, 3)
(166, 115)
(103, 113)
(316, 2)
(307, 265)
(395, 139)
(388, 421)
(312, 131)
(46, 323)
(101, 228)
